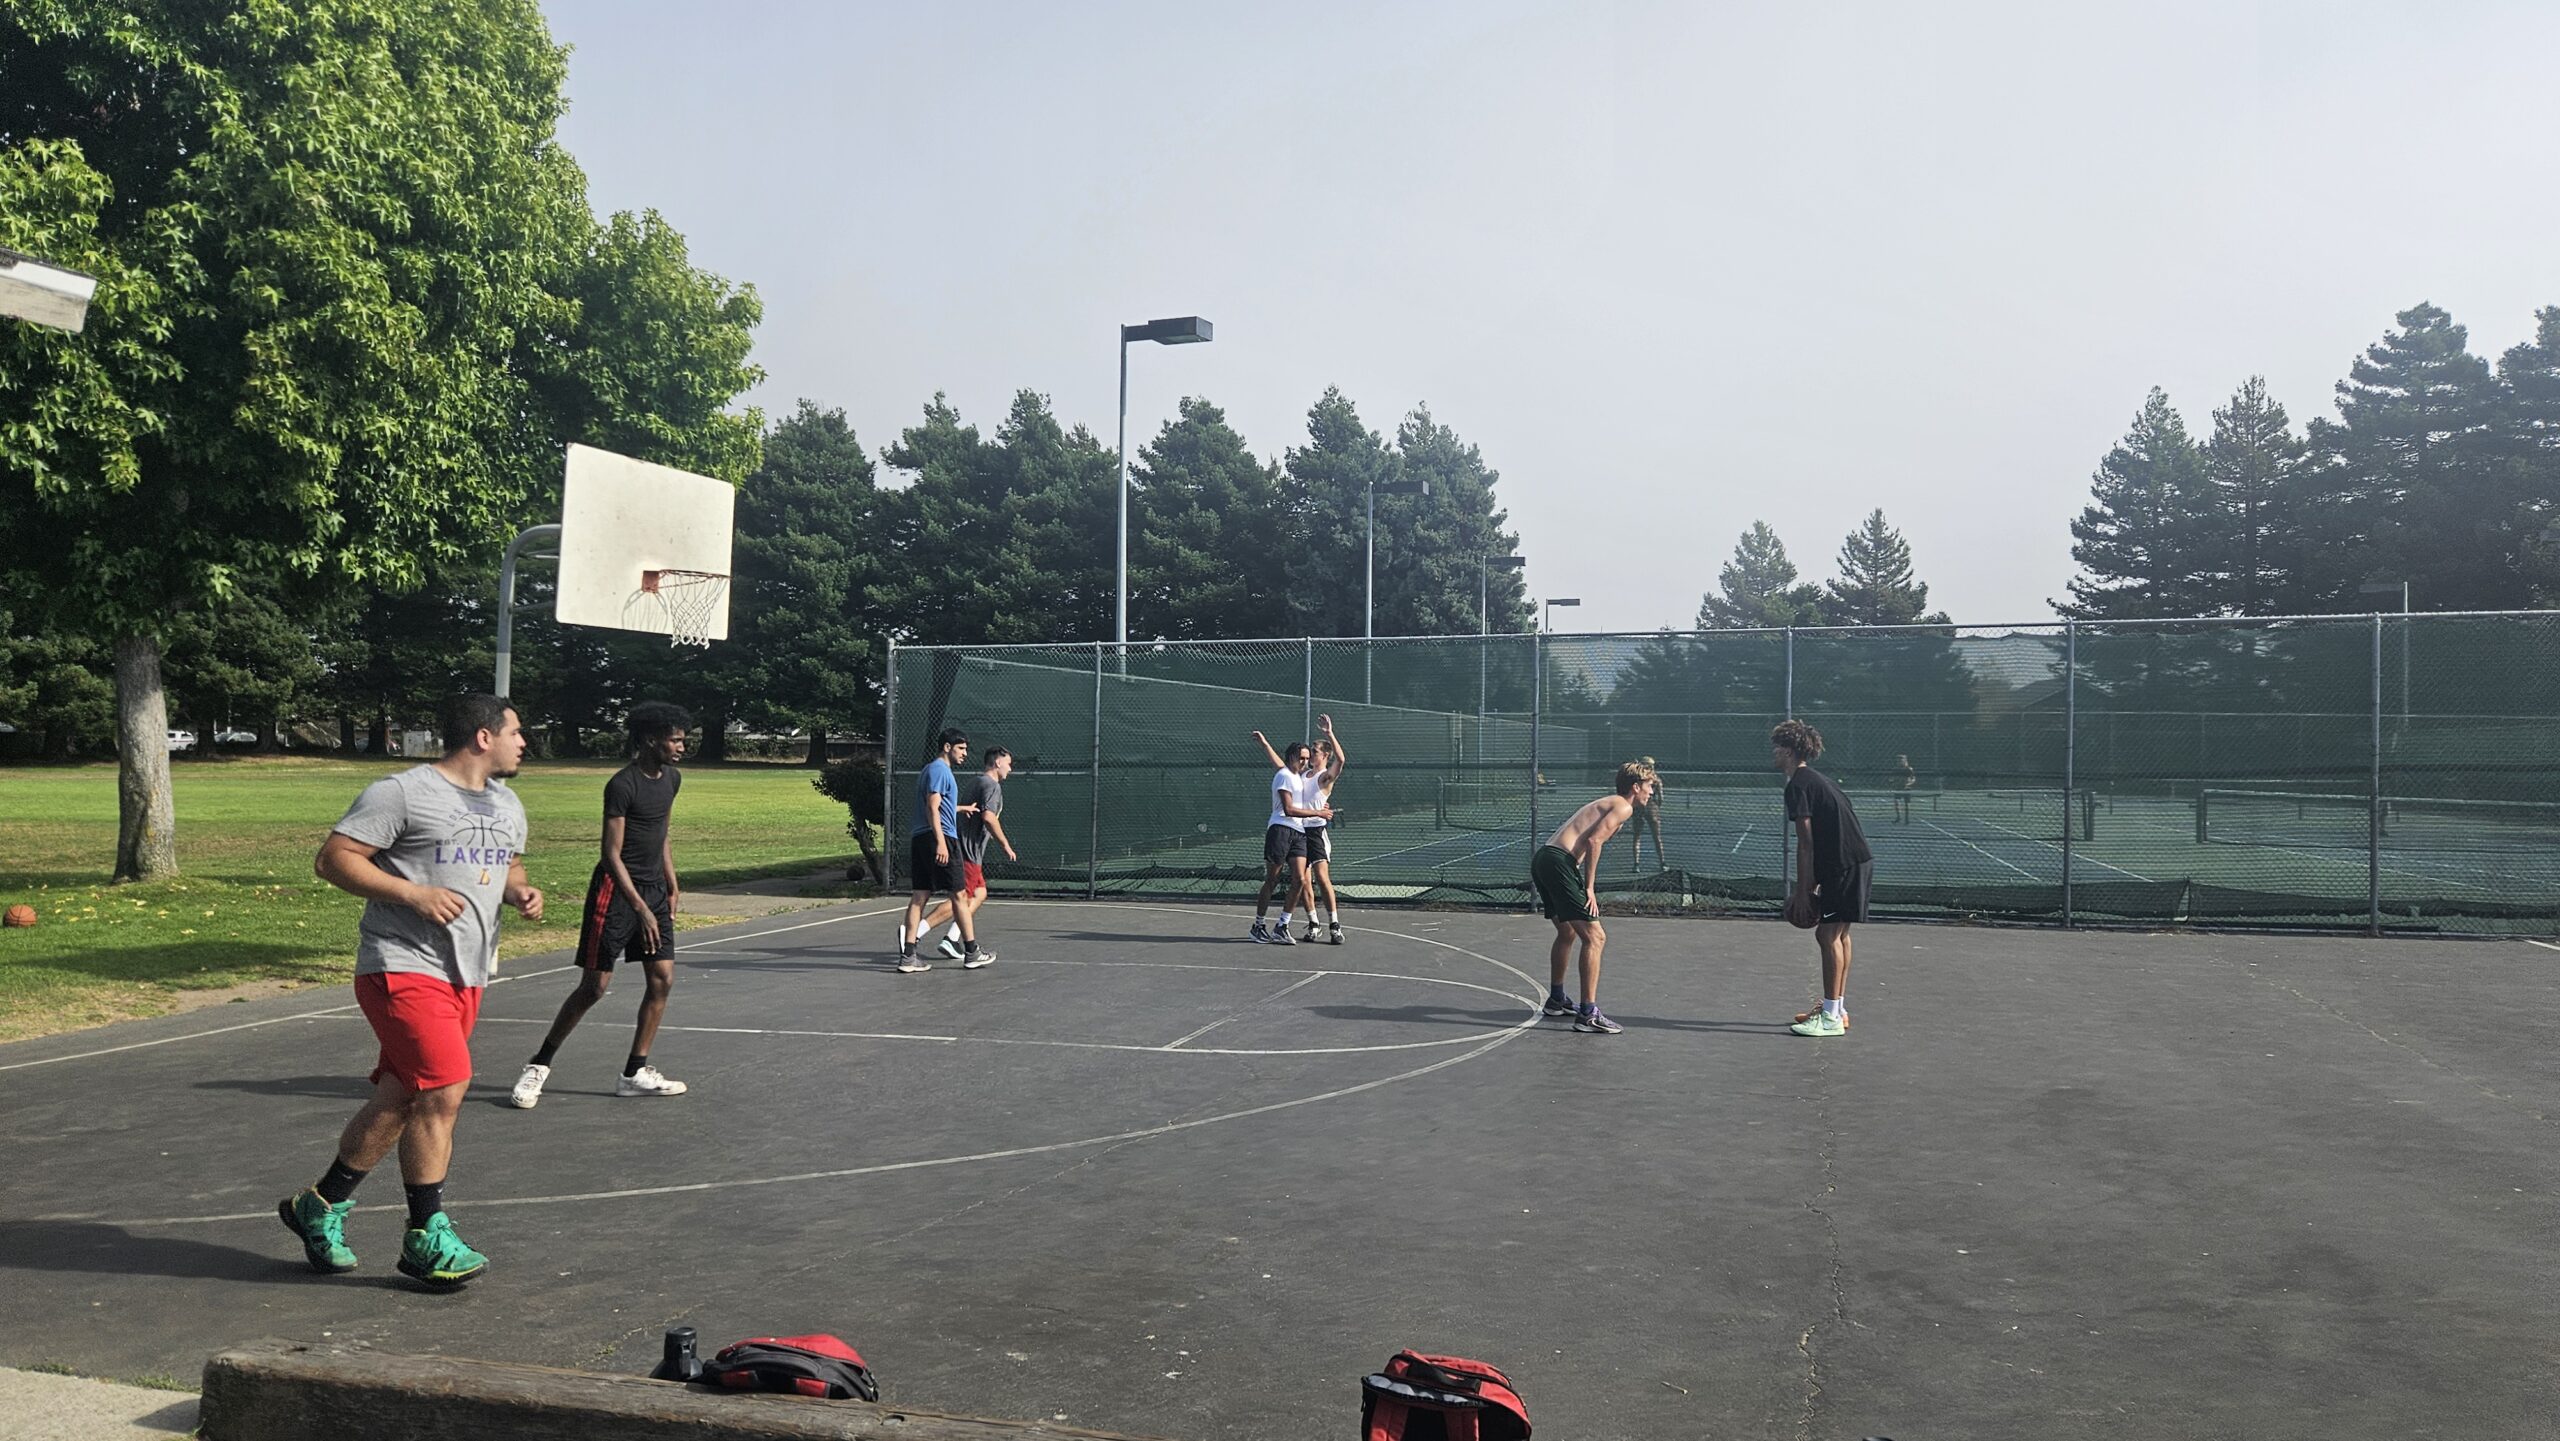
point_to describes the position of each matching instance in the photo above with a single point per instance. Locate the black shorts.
(1282, 842)
(609, 933)
(1563, 891)
(928, 874)
(1319, 844)
(1842, 899)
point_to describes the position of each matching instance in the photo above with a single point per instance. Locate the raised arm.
(1267, 752)
(1341, 760)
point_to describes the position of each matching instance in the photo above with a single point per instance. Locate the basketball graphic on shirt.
(485, 836)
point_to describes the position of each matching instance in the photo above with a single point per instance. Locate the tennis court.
(2357, 773)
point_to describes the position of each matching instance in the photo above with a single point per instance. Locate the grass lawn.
(245, 906)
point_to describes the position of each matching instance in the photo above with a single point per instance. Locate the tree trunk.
(817, 745)
(146, 819)
(346, 731)
(711, 741)
(870, 855)
(377, 735)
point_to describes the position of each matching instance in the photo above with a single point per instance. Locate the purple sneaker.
(1590, 1019)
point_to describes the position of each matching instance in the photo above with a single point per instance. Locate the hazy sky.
(1673, 267)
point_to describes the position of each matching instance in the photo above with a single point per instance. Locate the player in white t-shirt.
(1318, 828)
(1284, 839)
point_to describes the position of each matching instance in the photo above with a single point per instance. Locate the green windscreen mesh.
(2395, 774)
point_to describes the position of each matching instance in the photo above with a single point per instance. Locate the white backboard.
(621, 518)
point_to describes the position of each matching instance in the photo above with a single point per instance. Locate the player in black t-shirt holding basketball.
(1834, 869)
(631, 904)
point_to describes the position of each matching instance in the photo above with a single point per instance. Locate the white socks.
(1835, 1006)
(955, 930)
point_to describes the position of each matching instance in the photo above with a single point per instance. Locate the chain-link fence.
(2367, 772)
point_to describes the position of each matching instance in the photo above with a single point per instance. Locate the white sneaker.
(976, 959)
(647, 1082)
(908, 965)
(528, 1091)
(951, 947)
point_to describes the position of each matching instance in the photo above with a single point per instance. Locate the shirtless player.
(1561, 873)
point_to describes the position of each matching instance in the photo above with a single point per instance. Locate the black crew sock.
(424, 1202)
(632, 1066)
(969, 947)
(543, 1056)
(339, 1183)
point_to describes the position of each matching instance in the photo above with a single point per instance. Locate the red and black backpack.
(1440, 1398)
(821, 1366)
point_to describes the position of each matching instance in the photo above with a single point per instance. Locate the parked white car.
(228, 736)
(182, 741)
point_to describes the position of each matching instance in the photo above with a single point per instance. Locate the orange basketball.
(19, 916)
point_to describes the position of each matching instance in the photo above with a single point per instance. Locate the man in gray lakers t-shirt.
(434, 851)
(430, 831)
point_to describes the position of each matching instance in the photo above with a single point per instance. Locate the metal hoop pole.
(507, 600)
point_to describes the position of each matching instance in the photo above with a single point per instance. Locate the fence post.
(2070, 752)
(1307, 721)
(889, 773)
(1093, 843)
(1790, 701)
(2373, 808)
(1537, 706)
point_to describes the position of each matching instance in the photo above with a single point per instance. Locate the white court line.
(2021, 870)
(888, 1167)
(1266, 1000)
(2546, 945)
(2356, 862)
(804, 925)
(1738, 840)
(335, 1011)
(2075, 855)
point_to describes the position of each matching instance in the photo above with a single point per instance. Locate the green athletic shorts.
(1559, 882)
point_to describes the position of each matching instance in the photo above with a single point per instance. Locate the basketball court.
(1146, 1176)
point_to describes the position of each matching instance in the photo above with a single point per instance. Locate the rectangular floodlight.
(46, 294)
(1181, 330)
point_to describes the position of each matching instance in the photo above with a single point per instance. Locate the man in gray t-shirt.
(434, 851)
(430, 830)
(977, 827)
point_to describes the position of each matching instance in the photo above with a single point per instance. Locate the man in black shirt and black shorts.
(1834, 869)
(631, 904)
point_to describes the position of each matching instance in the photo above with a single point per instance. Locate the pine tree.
(2404, 484)
(1324, 492)
(801, 649)
(1758, 587)
(2530, 373)
(2253, 463)
(1205, 562)
(2142, 540)
(1875, 585)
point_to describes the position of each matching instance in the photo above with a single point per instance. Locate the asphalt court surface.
(1147, 1176)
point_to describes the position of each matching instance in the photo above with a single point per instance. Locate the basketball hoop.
(687, 600)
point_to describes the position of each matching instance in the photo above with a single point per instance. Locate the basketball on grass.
(1803, 912)
(19, 916)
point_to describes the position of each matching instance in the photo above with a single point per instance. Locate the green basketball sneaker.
(436, 1256)
(323, 1229)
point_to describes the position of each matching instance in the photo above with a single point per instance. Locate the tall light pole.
(1369, 591)
(1547, 620)
(1486, 565)
(1181, 330)
(2386, 587)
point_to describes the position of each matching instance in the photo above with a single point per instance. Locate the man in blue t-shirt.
(933, 851)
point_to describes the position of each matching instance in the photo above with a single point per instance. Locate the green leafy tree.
(2405, 483)
(2143, 542)
(323, 233)
(1758, 587)
(2255, 547)
(1875, 585)
(1207, 554)
(245, 664)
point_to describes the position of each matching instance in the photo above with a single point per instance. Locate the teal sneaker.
(322, 1228)
(436, 1256)
(1819, 1024)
